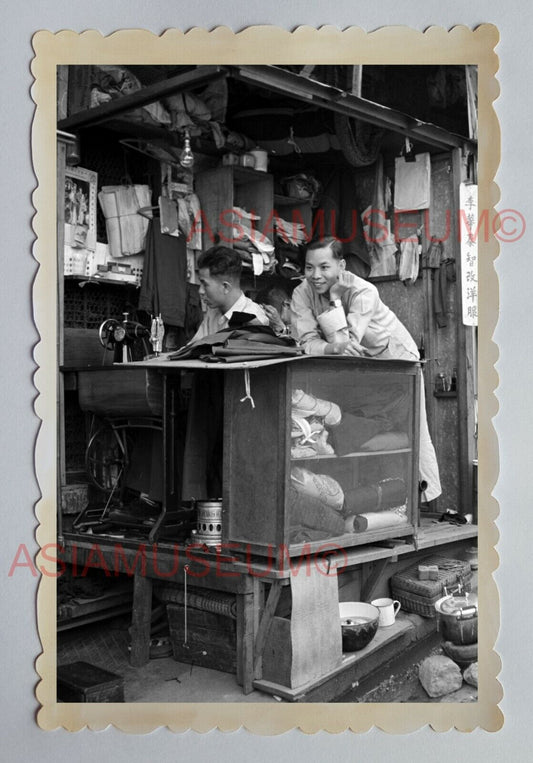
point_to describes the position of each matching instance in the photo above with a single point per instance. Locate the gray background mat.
(22, 739)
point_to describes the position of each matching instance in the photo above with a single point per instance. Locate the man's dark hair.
(274, 295)
(333, 243)
(221, 261)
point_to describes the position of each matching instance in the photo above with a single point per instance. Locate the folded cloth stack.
(309, 438)
(310, 416)
(290, 231)
(255, 248)
(387, 494)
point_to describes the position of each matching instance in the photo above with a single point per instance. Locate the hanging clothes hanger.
(149, 212)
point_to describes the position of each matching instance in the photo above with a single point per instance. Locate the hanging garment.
(338, 215)
(409, 261)
(412, 183)
(441, 278)
(164, 279)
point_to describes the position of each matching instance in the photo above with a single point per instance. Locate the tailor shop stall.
(255, 496)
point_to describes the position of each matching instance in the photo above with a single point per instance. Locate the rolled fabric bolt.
(378, 520)
(385, 495)
(309, 405)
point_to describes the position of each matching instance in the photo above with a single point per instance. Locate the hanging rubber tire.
(360, 142)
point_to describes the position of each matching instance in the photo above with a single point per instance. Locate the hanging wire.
(248, 395)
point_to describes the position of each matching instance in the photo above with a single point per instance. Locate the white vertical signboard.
(469, 233)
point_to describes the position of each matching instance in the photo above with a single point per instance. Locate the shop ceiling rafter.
(286, 83)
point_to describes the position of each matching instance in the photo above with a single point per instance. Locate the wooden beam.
(141, 620)
(371, 582)
(334, 99)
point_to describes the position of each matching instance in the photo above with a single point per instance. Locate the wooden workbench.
(248, 580)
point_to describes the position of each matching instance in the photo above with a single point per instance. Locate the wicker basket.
(420, 596)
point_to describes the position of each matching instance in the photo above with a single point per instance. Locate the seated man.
(220, 288)
(374, 330)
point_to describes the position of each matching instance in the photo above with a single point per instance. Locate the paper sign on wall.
(469, 227)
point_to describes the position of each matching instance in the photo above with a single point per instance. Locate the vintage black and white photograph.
(267, 449)
(80, 205)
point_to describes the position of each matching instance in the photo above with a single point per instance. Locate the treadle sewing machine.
(123, 455)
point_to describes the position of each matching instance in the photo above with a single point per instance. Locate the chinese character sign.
(469, 230)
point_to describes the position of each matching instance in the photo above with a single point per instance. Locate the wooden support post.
(370, 582)
(141, 620)
(245, 641)
(268, 614)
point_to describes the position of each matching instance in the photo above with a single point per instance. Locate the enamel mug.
(388, 609)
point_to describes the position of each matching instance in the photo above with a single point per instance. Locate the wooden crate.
(74, 498)
(211, 638)
(83, 682)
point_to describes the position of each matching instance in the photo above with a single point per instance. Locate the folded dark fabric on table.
(239, 346)
(385, 495)
(352, 432)
(311, 512)
(272, 345)
(212, 358)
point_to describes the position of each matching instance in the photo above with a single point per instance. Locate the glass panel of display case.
(351, 453)
(320, 449)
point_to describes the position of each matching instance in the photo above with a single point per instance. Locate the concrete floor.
(105, 644)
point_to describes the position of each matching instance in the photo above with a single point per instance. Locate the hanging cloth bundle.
(126, 230)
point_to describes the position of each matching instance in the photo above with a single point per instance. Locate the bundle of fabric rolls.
(254, 247)
(318, 501)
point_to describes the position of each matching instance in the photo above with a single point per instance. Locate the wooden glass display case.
(323, 452)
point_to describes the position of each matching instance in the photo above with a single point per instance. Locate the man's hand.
(356, 349)
(274, 320)
(349, 347)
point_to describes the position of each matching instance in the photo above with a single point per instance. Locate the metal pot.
(457, 617)
(359, 623)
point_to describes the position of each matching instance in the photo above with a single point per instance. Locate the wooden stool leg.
(245, 641)
(141, 618)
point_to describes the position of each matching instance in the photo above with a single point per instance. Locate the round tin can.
(209, 521)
